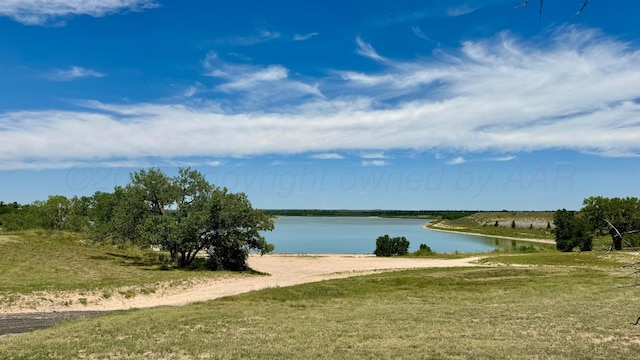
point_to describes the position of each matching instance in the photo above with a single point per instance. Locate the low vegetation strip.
(517, 225)
(459, 230)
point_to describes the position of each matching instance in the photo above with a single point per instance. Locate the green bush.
(424, 250)
(572, 231)
(388, 246)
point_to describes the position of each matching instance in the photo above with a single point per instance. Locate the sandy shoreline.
(283, 270)
(541, 241)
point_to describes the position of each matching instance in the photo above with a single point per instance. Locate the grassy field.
(507, 312)
(558, 305)
(57, 261)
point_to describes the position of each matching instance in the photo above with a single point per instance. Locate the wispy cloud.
(259, 37)
(502, 158)
(299, 37)
(578, 92)
(257, 82)
(327, 156)
(374, 163)
(460, 10)
(73, 73)
(374, 155)
(419, 33)
(215, 163)
(366, 50)
(456, 161)
(42, 12)
(194, 90)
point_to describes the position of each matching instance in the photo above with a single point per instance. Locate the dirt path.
(283, 270)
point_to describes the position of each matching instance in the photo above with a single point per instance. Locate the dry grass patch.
(6, 239)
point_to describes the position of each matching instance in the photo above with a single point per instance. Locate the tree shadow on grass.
(129, 260)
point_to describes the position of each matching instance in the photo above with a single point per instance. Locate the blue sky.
(335, 104)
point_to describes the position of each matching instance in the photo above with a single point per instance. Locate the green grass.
(477, 313)
(58, 261)
(482, 223)
(591, 259)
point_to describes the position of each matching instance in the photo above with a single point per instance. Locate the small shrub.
(147, 291)
(83, 301)
(128, 294)
(513, 224)
(496, 224)
(424, 250)
(106, 294)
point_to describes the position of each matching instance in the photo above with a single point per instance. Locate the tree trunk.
(174, 256)
(617, 239)
(183, 259)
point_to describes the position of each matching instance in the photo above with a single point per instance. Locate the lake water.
(357, 235)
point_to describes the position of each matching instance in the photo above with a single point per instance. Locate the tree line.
(441, 214)
(184, 215)
(599, 216)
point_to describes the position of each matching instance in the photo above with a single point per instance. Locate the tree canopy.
(572, 231)
(618, 217)
(388, 246)
(184, 215)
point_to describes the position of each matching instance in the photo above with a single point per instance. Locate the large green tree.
(618, 217)
(184, 215)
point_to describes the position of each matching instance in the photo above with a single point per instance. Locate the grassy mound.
(59, 261)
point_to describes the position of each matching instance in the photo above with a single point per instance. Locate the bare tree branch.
(584, 5)
(526, 2)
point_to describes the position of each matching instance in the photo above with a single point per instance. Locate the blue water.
(357, 235)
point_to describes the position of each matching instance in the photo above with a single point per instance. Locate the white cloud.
(257, 82)
(419, 33)
(194, 89)
(41, 12)
(366, 50)
(502, 158)
(460, 10)
(298, 37)
(580, 92)
(374, 155)
(374, 163)
(327, 156)
(259, 37)
(456, 161)
(215, 163)
(73, 73)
